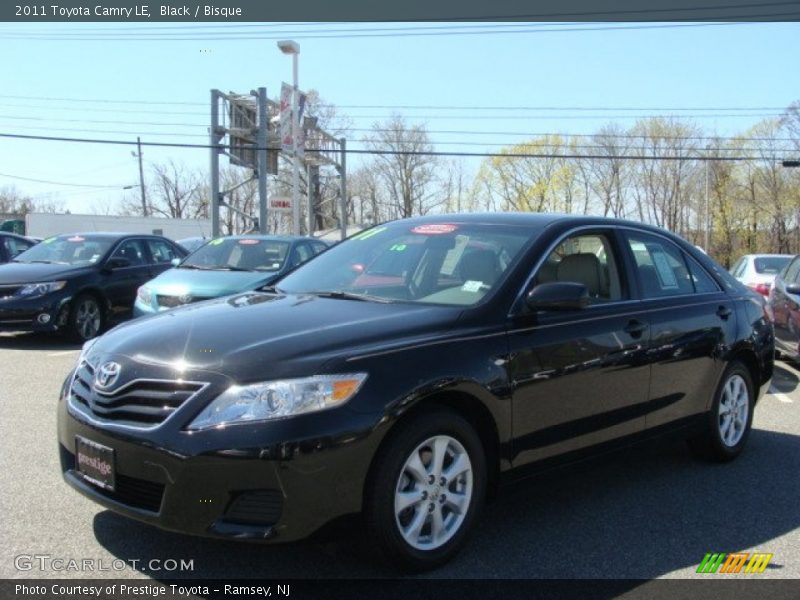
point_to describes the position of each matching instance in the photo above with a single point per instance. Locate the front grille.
(130, 491)
(173, 301)
(140, 403)
(258, 507)
(6, 291)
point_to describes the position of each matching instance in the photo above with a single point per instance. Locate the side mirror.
(117, 262)
(558, 295)
(175, 262)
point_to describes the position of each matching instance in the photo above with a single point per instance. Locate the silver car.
(758, 271)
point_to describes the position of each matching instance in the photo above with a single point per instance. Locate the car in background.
(191, 244)
(224, 266)
(757, 271)
(497, 344)
(12, 244)
(783, 306)
(77, 283)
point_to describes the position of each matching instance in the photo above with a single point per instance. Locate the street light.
(293, 48)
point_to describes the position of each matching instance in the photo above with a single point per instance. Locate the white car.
(758, 271)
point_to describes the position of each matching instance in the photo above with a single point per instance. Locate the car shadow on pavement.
(36, 341)
(638, 514)
(784, 380)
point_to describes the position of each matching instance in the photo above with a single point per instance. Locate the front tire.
(728, 423)
(86, 318)
(427, 486)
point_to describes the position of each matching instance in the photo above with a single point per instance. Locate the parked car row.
(405, 372)
(78, 283)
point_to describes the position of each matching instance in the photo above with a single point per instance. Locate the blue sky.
(740, 65)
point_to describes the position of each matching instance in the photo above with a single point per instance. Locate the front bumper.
(43, 313)
(276, 481)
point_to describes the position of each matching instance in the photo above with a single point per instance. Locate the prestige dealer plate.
(95, 462)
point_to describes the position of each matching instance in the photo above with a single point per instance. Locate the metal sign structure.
(253, 144)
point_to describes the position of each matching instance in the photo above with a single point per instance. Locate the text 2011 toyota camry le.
(406, 371)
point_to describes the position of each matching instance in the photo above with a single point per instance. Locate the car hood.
(255, 336)
(12, 272)
(206, 284)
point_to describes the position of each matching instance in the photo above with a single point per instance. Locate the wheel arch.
(470, 407)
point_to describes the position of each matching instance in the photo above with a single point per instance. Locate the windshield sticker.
(50, 240)
(76, 238)
(365, 235)
(249, 242)
(216, 242)
(472, 286)
(665, 273)
(398, 248)
(434, 229)
(454, 255)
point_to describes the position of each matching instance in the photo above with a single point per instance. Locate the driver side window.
(588, 259)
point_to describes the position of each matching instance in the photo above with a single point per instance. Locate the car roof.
(111, 235)
(534, 220)
(269, 238)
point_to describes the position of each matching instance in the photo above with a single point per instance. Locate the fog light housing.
(43, 319)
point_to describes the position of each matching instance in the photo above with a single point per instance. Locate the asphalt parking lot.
(649, 513)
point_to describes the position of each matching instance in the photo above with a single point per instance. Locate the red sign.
(434, 228)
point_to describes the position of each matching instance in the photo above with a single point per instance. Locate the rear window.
(770, 265)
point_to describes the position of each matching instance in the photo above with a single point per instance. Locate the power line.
(402, 152)
(335, 34)
(81, 185)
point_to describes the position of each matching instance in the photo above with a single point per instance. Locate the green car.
(225, 266)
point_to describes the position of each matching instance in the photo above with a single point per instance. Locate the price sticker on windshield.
(434, 229)
(249, 242)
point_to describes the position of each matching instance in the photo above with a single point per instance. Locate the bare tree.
(406, 175)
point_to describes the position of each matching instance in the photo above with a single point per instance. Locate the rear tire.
(427, 486)
(727, 425)
(86, 318)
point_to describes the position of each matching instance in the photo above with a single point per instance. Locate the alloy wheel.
(87, 318)
(734, 405)
(433, 493)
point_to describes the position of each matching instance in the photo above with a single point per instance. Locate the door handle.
(723, 312)
(635, 328)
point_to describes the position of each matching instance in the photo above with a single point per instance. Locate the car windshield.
(770, 265)
(68, 250)
(436, 263)
(237, 254)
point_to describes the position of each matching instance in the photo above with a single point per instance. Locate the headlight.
(278, 399)
(40, 289)
(145, 295)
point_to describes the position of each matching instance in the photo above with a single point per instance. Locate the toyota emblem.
(107, 375)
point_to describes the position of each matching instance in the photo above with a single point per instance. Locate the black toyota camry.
(406, 372)
(77, 283)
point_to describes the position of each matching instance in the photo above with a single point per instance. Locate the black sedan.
(76, 283)
(504, 343)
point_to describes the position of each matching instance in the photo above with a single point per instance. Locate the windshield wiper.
(339, 295)
(231, 268)
(198, 267)
(46, 262)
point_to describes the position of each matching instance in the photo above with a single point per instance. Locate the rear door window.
(660, 265)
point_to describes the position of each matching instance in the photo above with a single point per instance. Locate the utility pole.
(262, 140)
(141, 175)
(343, 189)
(708, 215)
(215, 137)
